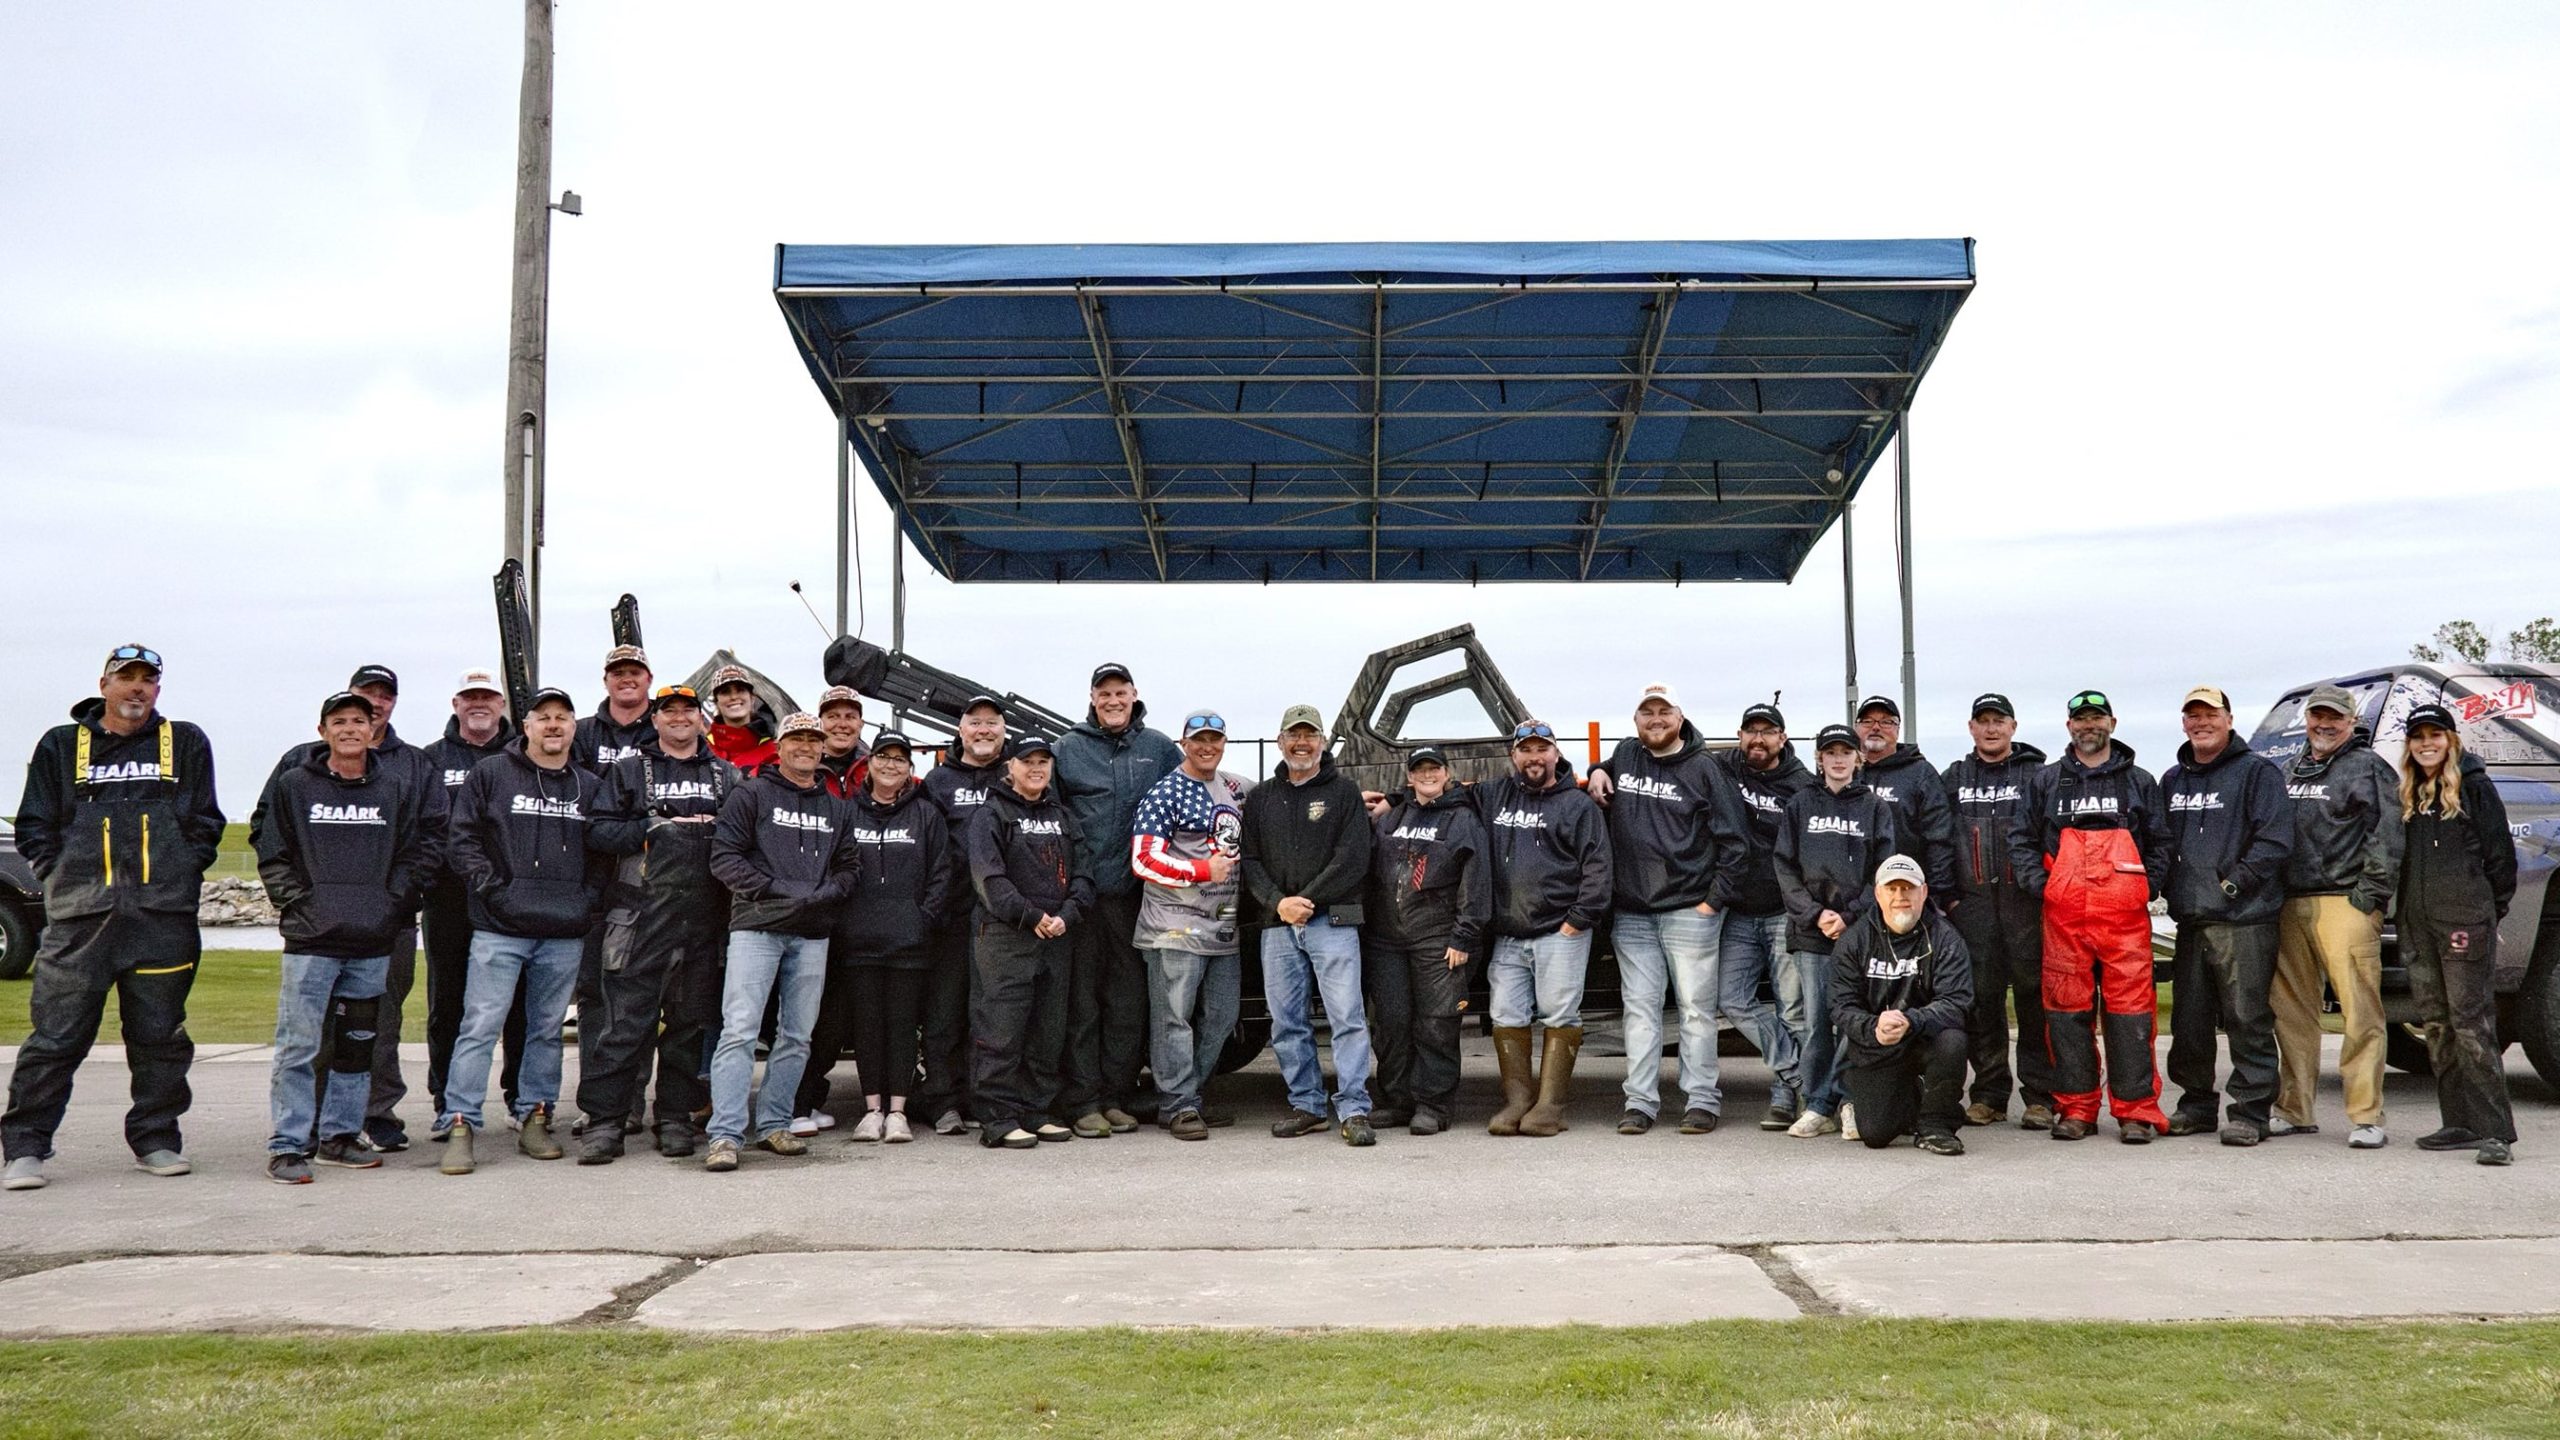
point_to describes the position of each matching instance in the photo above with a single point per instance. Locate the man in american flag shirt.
(1183, 845)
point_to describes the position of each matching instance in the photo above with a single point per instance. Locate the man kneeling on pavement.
(1901, 985)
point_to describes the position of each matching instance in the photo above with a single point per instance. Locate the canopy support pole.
(844, 514)
(898, 587)
(1848, 611)
(1902, 563)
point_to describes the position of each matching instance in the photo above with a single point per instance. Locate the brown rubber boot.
(1555, 1079)
(1511, 1047)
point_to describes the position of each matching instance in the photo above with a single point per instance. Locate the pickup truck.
(21, 908)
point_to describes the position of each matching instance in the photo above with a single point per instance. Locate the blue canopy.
(1409, 412)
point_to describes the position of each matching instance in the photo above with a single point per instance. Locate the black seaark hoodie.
(905, 884)
(2230, 825)
(1927, 975)
(519, 841)
(1829, 846)
(1922, 817)
(1550, 849)
(346, 861)
(1022, 859)
(783, 851)
(1677, 833)
(1764, 794)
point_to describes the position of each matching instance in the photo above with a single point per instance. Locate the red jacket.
(747, 748)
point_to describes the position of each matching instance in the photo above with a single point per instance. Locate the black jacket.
(1763, 794)
(1550, 849)
(1022, 859)
(403, 764)
(661, 864)
(905, 885)
(1984, 798)
(1677, 834)
(1927, 975)
(2230, 825)
(599, 742)
(2066, 795)
(452, 758)
(1428, 871)
(783, 851)
(1922, 817)
(1103, 775)
(2460, 870)
(131, 834)
(1829, 845)
(346, 861)
(519, 841)
(1311, 840)
(958, 788)
(2346, 826)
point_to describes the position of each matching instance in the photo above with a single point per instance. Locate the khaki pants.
(2324, 935)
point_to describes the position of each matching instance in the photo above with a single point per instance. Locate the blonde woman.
(2457, 875)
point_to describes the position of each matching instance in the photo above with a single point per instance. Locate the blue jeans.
(549, 970)
(302, 1018)
(1678, 947)
(1751, 947)
(1192, 1002)
(1804, 996)
(759, 961)
(1539, 978)
(1289, 953)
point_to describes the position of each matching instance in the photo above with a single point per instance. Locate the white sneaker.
(825, 1120)
(804, 1126)
(868, 1129)
(1812, 1123)
(895, 1131)
(25, 1173)
(1848, 1122)
(2367, 1137)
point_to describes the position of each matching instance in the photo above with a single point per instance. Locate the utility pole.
(527, 315)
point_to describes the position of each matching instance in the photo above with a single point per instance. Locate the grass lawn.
(1812, 1377)
(235, 857)
(233, 1002)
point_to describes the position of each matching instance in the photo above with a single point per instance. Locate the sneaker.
(1698, 1122)
(2451, 1137)
(388, 1136)
(722, 1156)
(1848, 1122)
(1050, 1131)
(1981, 1114)
(894, 1130)
(458, 1159)
(533, 1136)
(290, 1168)
(675, 1139)
(2137, 1132)
(2188, 1122)
(1092, 1125)
(866, 1131)
(949, 1122)
(347, 1152)
(1189, 1126)
(163, 1163)
(1634, 1122)
(1777, 1117)
(440, 1129)
(2494, 1151)
(822, 1120)
(1120, 1121)
(601, 1145)
(2243, 1134)
(24, 1173)
(2069, 1128)
(1812, 1123)
(1427, 1121)
(2367, 1137)
(1940, 1143)
(1390, 1117)
(2037, 1117)
(782, 1142)
(1018, 1138)
(1356, 1132)
(2279, 1127)
(1296, 1123)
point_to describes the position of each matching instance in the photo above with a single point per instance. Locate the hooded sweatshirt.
(1103, 775)
(1430, 880)
(1552, 865)
(1927, 975)
(519, 840)
(600, 741)
(905, 885)
(1311, 840)
(1022, 859)
(1677, 833)
(2460, 870)
(2346, 825)
(783, 852)
(2230, 824)
(402, 764)
(136, 831)
(346, 861)
(958, 788)
(1829, 846)
(1985, 796)
(2115, 794)
(452, 758)
(1921, 815)
(1763, 794)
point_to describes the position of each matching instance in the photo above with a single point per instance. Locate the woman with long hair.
(2457, 876)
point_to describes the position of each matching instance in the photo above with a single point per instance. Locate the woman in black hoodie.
(1030, 896)
(2457, 876)
(882, 952)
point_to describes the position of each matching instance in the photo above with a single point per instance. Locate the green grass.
(1815, 1377)
(235, 857)
(233, 1002)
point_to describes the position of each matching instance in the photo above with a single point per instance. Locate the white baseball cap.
(1661, 692)
(1902, 868)
(479, 679)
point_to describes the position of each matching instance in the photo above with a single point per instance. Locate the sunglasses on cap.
(676, 692)
(2087, 700)
(1204, 720)
(126, 654)
(1532, 730)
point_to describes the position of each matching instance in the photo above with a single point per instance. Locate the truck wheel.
(17, 942)
(2537, 1011)
(2404, 1047)
(1249, 1040)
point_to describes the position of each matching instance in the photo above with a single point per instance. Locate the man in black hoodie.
(958, 785)
(120, 910)
(2230, 833)
(621, 725)
(1901, 985)
(2000, 919)
(345, 847)
(1552, 880)
(1678, 850)
(2339, 882)
(519, 841)
(1022, 845)
(1765, 772)
(1905, 780)
(1430, 901)
(1830, 841)
(1306, 861)
(477, 729)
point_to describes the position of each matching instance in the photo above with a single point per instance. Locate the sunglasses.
(1205, 720)
(677, 692)
(1534, 730)
(2087, 700)
(123, 654)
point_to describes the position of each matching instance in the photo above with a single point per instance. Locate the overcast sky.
(2259, 383)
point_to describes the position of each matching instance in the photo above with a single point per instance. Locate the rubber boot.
(1511, 1048)
(1555, 1079)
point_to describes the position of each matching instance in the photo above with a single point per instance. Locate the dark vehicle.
(21, 907)
(2510, 718)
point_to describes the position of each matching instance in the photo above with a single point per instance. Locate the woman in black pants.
(2457, 875)
(881, 943)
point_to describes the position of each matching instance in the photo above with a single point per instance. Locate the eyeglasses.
(2087, 700)
(144, 653)
(1533, 730)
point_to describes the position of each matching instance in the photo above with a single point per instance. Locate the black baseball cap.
(893, 740)
(1993, 700)
(985, 699)
(345, 700)
(1760, 713)
(2086, 701)
(1112, 670)
(1028, 745)
(374, 675)
(1426, 755)
(1831, 735)
(2432, 714)
(1878, 702)
(549, 693)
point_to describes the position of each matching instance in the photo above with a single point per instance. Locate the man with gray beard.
(1901, 984)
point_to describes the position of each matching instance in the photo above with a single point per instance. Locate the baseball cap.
(670, 694)
(2435, 715)
(2210, 694)
(982, 698)
(730, 675)
(374, 675)
(838, 695)
(1762, 714)
(800, 722)
(1879, 702)
(549, 693)
(345, 700)
(1112, 670)
(1993, 700)
(2088, 700)
(1532, 730)
(1661, 692)
(1425, 755)
(479, 679)
(626, 655)
(1902, 868)
(1027, 745)
(893, 740)
(124, 655)
(1204, 722)
(2330, 697)
(1297, 715)
(1830, 735)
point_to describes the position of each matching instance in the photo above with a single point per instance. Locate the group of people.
(1019, 938)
